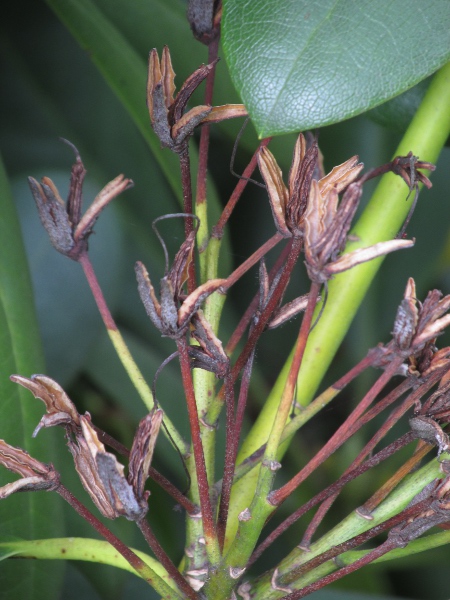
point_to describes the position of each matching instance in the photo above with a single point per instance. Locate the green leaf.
(73, 548)
(33, 514)
(299, 65)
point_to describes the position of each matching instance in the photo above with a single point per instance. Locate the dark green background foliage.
(52, 88)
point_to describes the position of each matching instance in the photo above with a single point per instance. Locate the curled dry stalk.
(313, 215)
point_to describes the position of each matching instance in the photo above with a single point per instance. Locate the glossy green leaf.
(300, 65)
(33, 514)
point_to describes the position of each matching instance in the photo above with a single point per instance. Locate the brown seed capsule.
(430, 431)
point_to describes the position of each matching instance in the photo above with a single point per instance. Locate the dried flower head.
(60, 408)
(416, 324)
(100, 473)
(169, 121)
(408, 168)
(173, 313)
(67, 229)
(289, 204)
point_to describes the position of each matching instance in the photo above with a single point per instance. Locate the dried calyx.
(309, 208)
(35, 475)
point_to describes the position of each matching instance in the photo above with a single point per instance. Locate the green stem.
(209, 527)
(133, 371)
(381, 220)
(351, 526)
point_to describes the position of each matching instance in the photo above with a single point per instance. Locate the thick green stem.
(348, 528)
(380, 221)
(127, 360)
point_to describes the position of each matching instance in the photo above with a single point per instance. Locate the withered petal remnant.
(36, 476)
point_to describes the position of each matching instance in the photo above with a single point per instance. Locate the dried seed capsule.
(430, 431)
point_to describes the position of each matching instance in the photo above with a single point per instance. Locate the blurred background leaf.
(36, 514)
(51, 88)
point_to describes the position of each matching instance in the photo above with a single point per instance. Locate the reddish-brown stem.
(186, 184)
(287, 397)
(376, 172)
(371, 504)
(387, 546)
(209, 527)
(137, 563)
(97, 292)
(230, 457)
(252, 260)
(203, 147)
(302, 338)
(338, 438)
(395, 416)
(267, 311)
(246, 318)
(191, 508)
(242, 401)
(253, 459)
(368, 448)
(330, 491)
(217, 231)
(163, 558)
(357, 540)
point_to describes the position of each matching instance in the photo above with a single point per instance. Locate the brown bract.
(281, 314)
(209, 354)
(142, 452)
(173, 312)
(36, 476)
(67, 229)
(327, 223)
